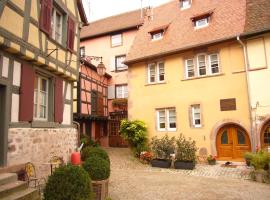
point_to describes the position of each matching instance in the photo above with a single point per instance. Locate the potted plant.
(248, 156)
(162, 149)
(185, 153)
(211, 160)
(99, 171)
(260, 162)
(146, 157)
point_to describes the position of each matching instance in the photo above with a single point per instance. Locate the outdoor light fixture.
(101, 69)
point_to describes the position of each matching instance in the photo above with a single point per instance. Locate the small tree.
(162, 148)
(185, 149)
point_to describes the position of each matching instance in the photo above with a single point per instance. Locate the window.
(57, 25)
(190, 69)
(82, 51)
(41, 98)
(200, 23)
(121, 91)
(205, 65)
(166, 119)
(184, 4)
(116, 40)
(196, 115)
(119, 63)
(157, 35)
(156, 72)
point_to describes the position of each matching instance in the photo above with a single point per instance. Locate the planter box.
(162, 163)
(212, 162)
(184, 165)
(100, 189)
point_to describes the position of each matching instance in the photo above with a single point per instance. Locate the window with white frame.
(116, 40)
(157, 35)
(156, 72)
(121, 91)
(196, 115)
(41, 98)
(205, 65)
(166, 119)
(200, 23)
(119, 63)
(185, 4)
(57, 25)
(82, 51)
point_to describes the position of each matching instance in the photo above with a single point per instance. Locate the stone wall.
(38, 145)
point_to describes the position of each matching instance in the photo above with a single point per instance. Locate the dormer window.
(157, 35)
(202, 20)
(185, 4)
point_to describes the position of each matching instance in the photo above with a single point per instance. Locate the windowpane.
(266, 136)
(152, 73)
(202, 65)
(190, 68)
(201, 22)
(119, 62)
(157, 36)
(121, 91)
(172, 118)
(196, 115)
(82, 51)
(224, 137)
(241, 137)
(116, 40)
(161, 71)
(185, 4)
(161, 118)
(214, 63)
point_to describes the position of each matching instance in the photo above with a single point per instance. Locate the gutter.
(253, 138)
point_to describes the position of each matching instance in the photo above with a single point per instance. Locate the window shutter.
(45, 16)
(27, 93)
(112, 64)
(71, 34)
(111, 92)
(58, 100)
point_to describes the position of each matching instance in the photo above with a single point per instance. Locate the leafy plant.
(210, 158)
(163, 147)
(185, 149)
(260, 160)
(68, 183)
(97, 168)
(94, 151)
(135, 132)
(88, 142)
(120, 102)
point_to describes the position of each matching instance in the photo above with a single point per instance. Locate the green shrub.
(97, 168)
(88, 142)
(68, 183)
(185, 149)
(135, 132)
(94, 151)
(163, 147)
(260, 160)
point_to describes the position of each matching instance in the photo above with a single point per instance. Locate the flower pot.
(100, 189)
(184, 164)
(162, 163)
(211, 162)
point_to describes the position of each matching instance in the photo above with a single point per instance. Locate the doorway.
(232, 142)
(2, 125)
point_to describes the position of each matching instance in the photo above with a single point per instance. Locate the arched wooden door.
(232, 142)
(265, 136)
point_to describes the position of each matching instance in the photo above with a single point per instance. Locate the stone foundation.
(39, 145)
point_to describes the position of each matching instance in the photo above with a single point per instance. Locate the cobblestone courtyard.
(131, 180)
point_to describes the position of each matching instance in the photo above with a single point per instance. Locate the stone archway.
(218, 126)
(262, 130)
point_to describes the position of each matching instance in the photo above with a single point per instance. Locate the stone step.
(7, 178)
(13, 187)
(27, 194)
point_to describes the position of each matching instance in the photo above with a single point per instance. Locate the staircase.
(12, 189)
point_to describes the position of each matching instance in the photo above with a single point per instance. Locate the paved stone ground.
(131, 180)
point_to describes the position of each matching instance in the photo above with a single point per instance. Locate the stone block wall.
(39, 145)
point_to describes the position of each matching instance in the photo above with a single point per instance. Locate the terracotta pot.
(100, 189)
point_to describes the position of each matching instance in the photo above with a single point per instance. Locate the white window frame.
(205, 62)
(157, 36)
(124, 91)
(185, 6)
(116, 37)
(37, 92)
(210, 63)
(121, 65)
(82, 50)
(206, 19)
(55, 10)
(193, 107)
(156, 73)
(187, 69)
(166, 120)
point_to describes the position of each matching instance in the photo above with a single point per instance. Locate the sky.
(103, 8)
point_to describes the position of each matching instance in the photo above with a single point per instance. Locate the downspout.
(79, 134)
(249, 95)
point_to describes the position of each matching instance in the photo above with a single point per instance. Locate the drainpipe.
(249, 96)
(78, 129)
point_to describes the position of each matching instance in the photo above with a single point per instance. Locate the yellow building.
(39, 46)
(187, 75)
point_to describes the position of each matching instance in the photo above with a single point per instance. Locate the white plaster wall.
(5, 67)
(17, 74)
(15, 108)
(66, 114)
(68, 95)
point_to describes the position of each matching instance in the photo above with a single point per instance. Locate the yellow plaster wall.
(19, 3)
(34, 12)
(71, 6)
(12, 22)
(33, 37)
(176, 92)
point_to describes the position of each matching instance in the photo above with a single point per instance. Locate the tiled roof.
(226, 22)
(112, 24)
